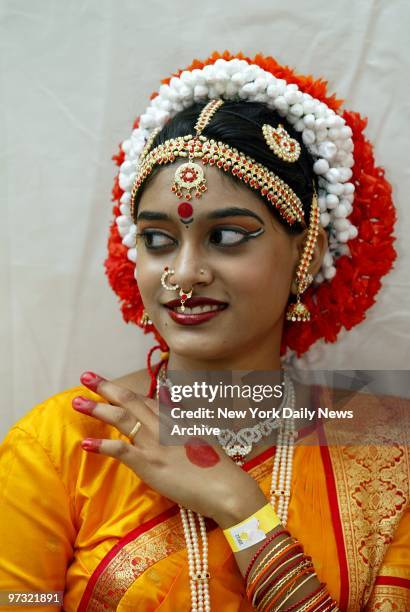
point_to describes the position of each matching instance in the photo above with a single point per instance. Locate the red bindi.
(185, 211)
(200, 453)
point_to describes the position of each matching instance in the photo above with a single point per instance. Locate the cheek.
(149, 280)
(263, 282)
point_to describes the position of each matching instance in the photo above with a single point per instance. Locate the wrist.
(239, 506)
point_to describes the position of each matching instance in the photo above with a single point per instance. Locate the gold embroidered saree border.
(131, 556)
(140, 549)
(372, 490)
(387, 597)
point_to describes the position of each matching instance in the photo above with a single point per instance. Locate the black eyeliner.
(148, 232)
(254, 234)
(246, 236)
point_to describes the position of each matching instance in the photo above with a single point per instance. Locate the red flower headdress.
(360, 237)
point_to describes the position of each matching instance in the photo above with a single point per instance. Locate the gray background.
(74, 75)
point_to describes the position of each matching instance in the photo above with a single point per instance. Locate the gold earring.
(145, 320)
(299, 311)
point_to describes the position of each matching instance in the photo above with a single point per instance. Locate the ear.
(317, 257)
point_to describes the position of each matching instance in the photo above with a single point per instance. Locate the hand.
(195, 475)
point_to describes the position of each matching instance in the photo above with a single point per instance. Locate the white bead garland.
(283, 463)
(279, 498)
(198, 569)
(324, 133)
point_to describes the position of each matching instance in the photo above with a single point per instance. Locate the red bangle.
(289, 567)
(270, 607)
(305, 599)
(323, 601)
(261, 548)
(293, 546)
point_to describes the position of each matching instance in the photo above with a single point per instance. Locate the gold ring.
(134, 431)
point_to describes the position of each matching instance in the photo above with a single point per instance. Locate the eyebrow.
(232, 211)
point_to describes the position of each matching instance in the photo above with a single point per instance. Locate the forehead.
(222, 191)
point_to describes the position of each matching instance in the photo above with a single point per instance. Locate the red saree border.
(336, 519)
(255, 461)
(156, 520)
(393, 581)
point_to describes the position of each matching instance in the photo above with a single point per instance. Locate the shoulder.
(58, 429)
(56, 413)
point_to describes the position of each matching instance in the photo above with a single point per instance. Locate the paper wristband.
(253, 529)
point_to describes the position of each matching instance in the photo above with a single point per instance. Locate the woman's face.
(247, 260)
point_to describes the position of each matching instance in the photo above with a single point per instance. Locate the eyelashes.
(155, 240)
(148, 236)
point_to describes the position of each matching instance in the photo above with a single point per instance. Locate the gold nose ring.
(167, 272)
(184, 295)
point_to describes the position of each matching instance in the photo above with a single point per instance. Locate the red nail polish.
(91, 380)
(91, 444)
(83, 405)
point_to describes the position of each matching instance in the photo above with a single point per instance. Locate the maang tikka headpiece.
(190, 178)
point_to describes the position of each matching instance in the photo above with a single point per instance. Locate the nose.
(189, 269)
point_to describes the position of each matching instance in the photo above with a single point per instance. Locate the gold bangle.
(269, 557)
(275, 571)
(313, 600)
(268, 554)
(276, 588)
(296, 588)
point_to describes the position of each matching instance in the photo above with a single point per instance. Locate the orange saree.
(87, 525)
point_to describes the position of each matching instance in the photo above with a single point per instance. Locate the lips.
(194, 301)
(194, 318)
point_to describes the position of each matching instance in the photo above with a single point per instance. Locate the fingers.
(124, 410)
(118, 449)
(119, 416)
(112, 392)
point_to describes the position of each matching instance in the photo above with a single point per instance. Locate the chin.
(198, 349)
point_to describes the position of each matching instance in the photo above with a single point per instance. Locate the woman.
(235, 189)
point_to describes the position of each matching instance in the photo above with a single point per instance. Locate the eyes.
(220, 237)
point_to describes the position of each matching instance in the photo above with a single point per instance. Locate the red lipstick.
(184, 318)
(193, 319)
(194, 301)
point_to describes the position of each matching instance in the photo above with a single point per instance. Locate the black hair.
(239, 124)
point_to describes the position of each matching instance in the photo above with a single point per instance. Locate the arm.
(289, 580)
(36, 530)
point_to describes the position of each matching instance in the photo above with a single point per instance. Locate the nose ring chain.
(184, 295)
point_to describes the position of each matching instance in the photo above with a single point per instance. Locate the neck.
(260, 354)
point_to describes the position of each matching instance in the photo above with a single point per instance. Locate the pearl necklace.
(198, 572)
(279, 498)
(283, 463)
